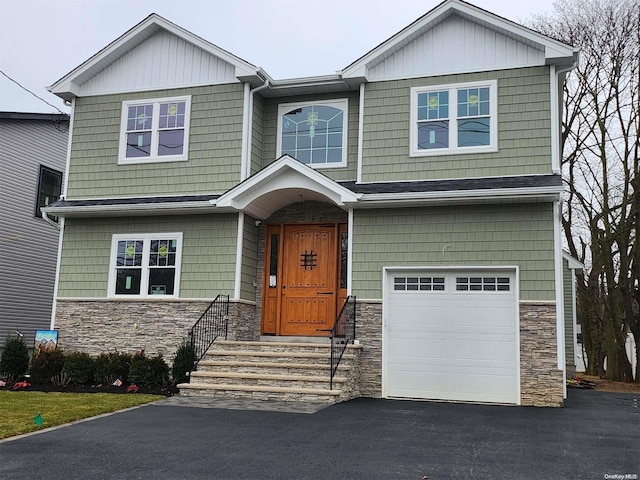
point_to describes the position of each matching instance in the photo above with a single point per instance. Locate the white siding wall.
(29, 244)
(456, 45)
(162, 61)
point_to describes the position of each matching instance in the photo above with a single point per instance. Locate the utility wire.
(27, 90)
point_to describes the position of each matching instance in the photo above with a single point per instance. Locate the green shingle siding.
(208, 253)
(249, 260)
(524, 129)
(519, 234)
(257, 134)
(214, 147)
(271, 123)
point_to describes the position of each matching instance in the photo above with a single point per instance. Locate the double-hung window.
(145, 265)
(460, 118)
(155, 130)
(314, 133)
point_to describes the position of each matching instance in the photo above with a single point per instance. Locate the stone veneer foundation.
(157, 326)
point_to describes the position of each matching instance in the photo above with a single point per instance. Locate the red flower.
(132, 388)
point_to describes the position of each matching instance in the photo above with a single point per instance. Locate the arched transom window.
(314, 133)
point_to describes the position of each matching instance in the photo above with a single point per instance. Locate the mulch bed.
(167, 391)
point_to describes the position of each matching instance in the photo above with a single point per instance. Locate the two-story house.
(423, 179)
(33, 149)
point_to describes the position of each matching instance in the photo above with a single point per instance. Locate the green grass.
(19, 409)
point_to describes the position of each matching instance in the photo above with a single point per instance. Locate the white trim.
(350, 252)
(555, 121)
(56, 285)
(554, 49)
(339, 103)
(444, 179)
(135, 209)
(452, 118)
(239, 247)
(246, 118)
(154, 157)
(513, 269)
(69, 141)
(574, 318)
(360, 133)
(557, 238)
(144, 282)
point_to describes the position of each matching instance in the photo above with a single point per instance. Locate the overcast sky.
(43, 40)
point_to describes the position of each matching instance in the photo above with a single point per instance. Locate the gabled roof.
(572, 262)
(554, 51)
(283, 182)
(69, 85)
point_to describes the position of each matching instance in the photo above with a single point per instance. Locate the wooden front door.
(301, 286)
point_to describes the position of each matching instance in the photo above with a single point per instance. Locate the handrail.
(342, 333)
(213, 323)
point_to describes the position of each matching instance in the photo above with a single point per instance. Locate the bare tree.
(601, 149)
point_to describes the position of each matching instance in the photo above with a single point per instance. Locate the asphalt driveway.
(596, 436)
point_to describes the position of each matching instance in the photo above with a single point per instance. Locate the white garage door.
(451, 335)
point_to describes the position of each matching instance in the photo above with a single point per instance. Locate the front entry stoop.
(283, 371)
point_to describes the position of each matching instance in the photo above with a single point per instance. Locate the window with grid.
(453, 119)
(314, 133)
(155, 130)
(422, 284)
(145, 265)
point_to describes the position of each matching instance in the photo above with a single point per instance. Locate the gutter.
(46, 218)
(461, 195)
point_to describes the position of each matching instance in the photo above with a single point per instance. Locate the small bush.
(46, 367)
(183, 363)
(149, 371)
(78, 368)
(15, 359)
(112, 366)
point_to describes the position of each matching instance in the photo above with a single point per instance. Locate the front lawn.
(23, 411)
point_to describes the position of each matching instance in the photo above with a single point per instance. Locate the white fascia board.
(130, 209)
(153, 22)
(510, 193)
(572, 263)
(553, 48)
(279, 175)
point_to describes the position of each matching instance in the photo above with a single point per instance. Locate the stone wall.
(541, 383)
(157, 326)
(369, 333)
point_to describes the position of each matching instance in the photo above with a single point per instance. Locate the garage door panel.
(452, 345)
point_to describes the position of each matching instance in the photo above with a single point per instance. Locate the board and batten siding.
(215, 143)
(29, 244)
(524, 130)
(271, 128)
(473, 235)
(208, 253)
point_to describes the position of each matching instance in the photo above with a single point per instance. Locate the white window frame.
(453, 148)
(153, 157)
(340, 103)
(146, 247)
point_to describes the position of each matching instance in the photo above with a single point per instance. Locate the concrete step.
(260, 392)
(264, 379)
(272, 368)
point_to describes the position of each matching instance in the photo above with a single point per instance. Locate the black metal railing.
(212, 324)
(342, 333)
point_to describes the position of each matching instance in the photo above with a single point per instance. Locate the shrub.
(183, 363)
(46, 367)
(148, 371)
(112, 366)
(78, 368)
(15, 358)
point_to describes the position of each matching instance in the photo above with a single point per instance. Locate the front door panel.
(308, 292)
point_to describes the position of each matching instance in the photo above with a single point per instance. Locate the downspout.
(557, 234)
(246, 168)
(46, 218)
(556, 114)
